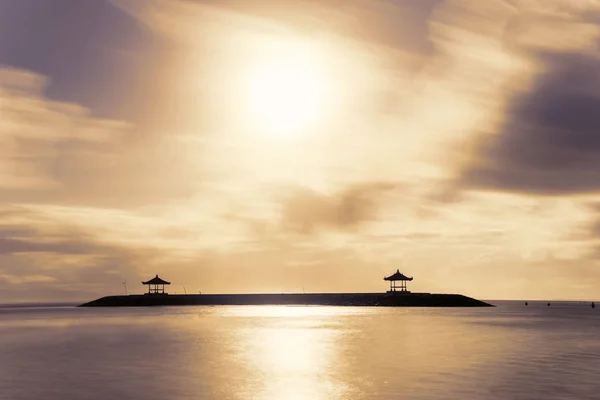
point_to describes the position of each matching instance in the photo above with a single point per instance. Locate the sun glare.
(286, 94)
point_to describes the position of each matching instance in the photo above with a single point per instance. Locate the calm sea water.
(508, 352)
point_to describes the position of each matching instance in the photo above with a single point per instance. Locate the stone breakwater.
(320, 299)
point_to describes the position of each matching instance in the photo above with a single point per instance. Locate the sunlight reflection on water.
(293, 353)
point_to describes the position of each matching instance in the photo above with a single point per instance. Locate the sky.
(263, 146)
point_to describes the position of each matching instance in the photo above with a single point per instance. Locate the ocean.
(278, 352)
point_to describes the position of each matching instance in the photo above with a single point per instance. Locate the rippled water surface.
(507, 352)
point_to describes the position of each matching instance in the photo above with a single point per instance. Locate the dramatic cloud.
(549, 143)
(55, 151)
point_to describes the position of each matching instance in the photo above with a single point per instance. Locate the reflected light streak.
(295, 354)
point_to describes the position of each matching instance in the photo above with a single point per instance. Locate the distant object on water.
(593, 305)
(526, 304)
(548, 304)
(397, 296)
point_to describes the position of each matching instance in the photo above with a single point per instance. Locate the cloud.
(385, 22)
(548, 142)
(37, 133)
(52, 151)
(307, 211)
(28, 114)
(47, 257)
(13, 279)
(9, 246)
(17, 80)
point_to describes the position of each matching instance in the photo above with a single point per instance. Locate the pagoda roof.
(156, 281)
(397, 276)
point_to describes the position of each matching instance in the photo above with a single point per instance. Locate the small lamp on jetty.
(156, 285)
(397, 276)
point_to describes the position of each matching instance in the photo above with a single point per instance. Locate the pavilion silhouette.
(156, 286)
(398, 277)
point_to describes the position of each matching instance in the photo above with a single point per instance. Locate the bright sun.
(286, 94)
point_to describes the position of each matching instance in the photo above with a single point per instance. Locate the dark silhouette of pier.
(397, 296)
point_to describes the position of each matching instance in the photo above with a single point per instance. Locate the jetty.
(397, 296)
